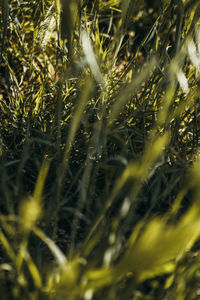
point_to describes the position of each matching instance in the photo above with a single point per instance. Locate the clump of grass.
(99, 150)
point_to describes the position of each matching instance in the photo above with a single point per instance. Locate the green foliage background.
(99, 149)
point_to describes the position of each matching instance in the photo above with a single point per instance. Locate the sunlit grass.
(99, 148)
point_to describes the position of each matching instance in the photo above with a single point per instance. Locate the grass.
(99, 150)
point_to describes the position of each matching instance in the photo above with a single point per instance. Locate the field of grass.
(99, 149)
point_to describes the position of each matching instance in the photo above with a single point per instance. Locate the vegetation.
(99, 149)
